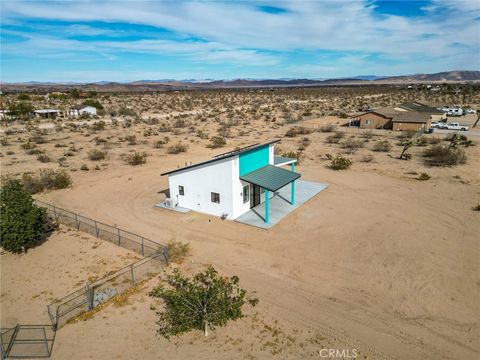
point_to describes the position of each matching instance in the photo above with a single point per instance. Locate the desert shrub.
(44, 158)
(294, 155)
(22, 221)
(84, 167)
(217, 142)
(327, 128)
(297, 130)
(180, 123)
(47, 179)
(441, 155)
(304, 143)
(98, 126)
(366, 158)
(38, 139)
(124, 111)
(131, 139)
(339, 162)
(201, 134)
(476, 207)
(28, 145)
(382, 145)
(457, 139)
(335, 137)
(202, 302)
(4, 141)
(96, 155)
(423, 176)
(368, 134)
(351, 145)
(421, 141)
(34, 151)
(177, 148)
(136, 158)
(158, 144)
(178, 251)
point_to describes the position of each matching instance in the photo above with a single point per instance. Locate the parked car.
(453, 126)
(471, 111)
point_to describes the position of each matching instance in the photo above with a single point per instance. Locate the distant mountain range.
(171, 84)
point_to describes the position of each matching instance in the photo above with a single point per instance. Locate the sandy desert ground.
(378, 262)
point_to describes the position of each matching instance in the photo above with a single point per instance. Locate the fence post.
(133, 278)
(76, 220)
(96, 228)
(89, 294)
(142, 247)
(118, 232)
(55, 213)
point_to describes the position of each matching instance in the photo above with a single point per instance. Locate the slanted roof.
(419, 107)
(277, 160)
(270, 177)
(222, 156)
(46, 111)
(412, 117)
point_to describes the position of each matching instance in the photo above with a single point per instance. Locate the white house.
(232, 183)
(82, 109)
(47, 113)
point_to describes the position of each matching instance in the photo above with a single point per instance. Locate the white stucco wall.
(198, 184)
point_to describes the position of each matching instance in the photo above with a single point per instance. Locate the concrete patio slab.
(179, 209)
(280, 205)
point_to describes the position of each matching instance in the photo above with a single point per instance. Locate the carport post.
(292, 195)
(266, 205)
(293, 167)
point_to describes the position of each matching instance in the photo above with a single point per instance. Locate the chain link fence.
(99, 291)
(27, 341)
(113, 234)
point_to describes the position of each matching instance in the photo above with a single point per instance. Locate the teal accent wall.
(252, 160)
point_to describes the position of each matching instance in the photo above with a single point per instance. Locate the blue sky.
(85, 41)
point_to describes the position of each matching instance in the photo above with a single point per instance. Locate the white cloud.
(239, 33)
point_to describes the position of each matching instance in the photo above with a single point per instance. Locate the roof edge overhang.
(221, 157)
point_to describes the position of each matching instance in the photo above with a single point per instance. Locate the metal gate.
(27, 341)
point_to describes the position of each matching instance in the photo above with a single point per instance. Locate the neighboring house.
(411, 120)
(230, 184)
(82, 109)
(47, 113)
(376, 119)
(391, 117)
(435, 114)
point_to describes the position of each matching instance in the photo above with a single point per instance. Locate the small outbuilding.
(83, 110)
(47, 113)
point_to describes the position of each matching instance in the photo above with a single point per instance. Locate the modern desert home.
(230, 184)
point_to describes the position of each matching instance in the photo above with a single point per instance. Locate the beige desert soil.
(62, 264)
(378, 262)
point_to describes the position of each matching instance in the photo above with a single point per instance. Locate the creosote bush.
(442, 155)
(177, 148)
(217, 142)
(423, 176)
(22, 221)
(339, 162)
(47, 179)
(203, 302)
(294, 155)
(136, 158)
(178, 251)
(382, 146)
(335, 137)
(366, 158)
(297, 130)
(351, 145)
(96, 155)
(327, 128)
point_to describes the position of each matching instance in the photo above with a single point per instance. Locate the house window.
(246, 193)
(215, 197)
(181, 190)
(368, 122)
